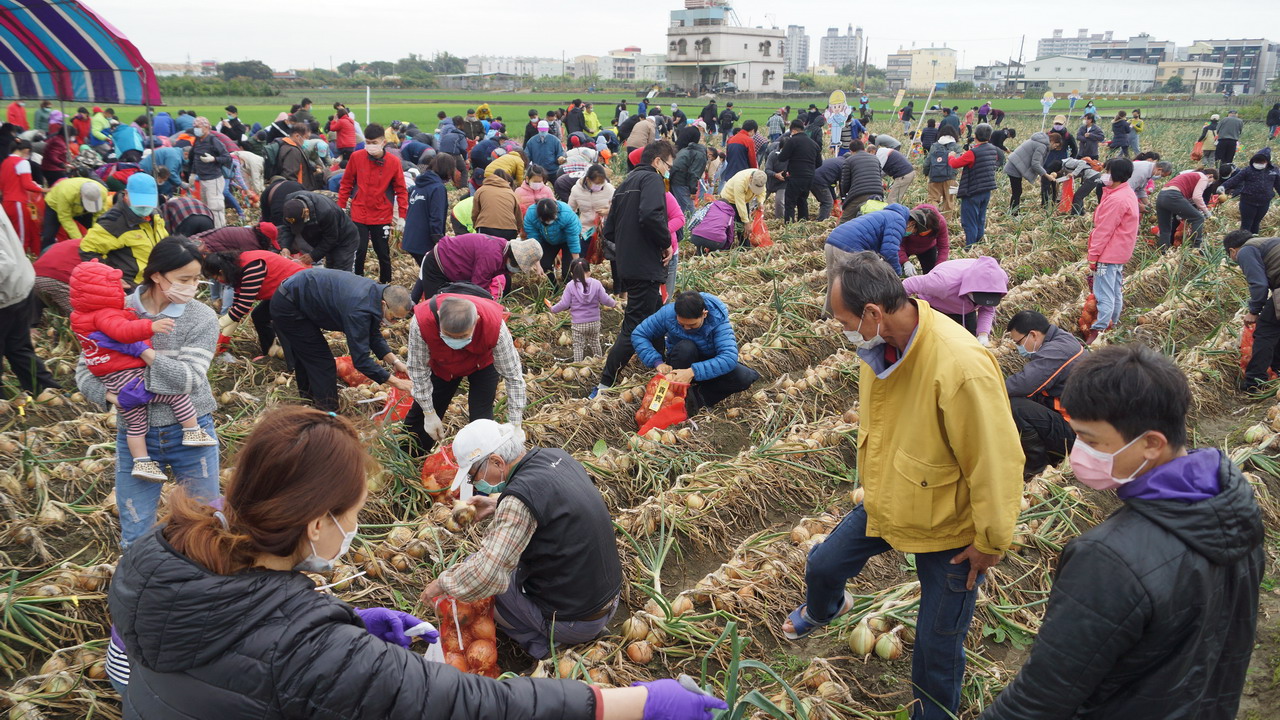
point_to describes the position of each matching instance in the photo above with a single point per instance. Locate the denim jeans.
(684, 200)
(1108, 281)
(196, 469)
(946, 607)
(973, 217)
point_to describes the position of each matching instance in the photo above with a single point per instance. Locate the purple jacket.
(584, 305)
(947, 286)
(474, 258)
(716, 228)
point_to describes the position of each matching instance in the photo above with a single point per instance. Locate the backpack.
(624, 130)
(270, 154)
(939, 169)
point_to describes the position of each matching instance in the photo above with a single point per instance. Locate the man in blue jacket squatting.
(700, 348)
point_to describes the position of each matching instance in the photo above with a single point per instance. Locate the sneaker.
(148, 470)
(594, 392)
(197, 437)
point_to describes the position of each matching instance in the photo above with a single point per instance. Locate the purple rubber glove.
(671, 700)
(134, 349)
(133, 394)
(390, 625)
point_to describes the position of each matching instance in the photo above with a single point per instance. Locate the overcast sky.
(302, 35)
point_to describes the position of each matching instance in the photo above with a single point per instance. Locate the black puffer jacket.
(328, 230)
(264, 644)
(637, 226)
(1152, 615)
(861, 175)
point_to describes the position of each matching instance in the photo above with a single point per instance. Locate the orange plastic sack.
(1246, 346)
(663, 404)
(468, 635)
(1068, 192)
(759, 234)
(837, 208)
(595, 247)
(1197, 151)
(348, 373)
(396, 407)
(438, 471)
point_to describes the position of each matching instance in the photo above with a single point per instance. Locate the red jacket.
(55, 154)
(14, 187)
(279, 269)
(97, 304)
(372, 179)
(346, 129)
(83, 126)
(18, 115)
(447, 363)
(58, 261)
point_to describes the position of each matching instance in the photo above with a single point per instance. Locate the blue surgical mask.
(1025, 352)
(456, 343)
(316, 564)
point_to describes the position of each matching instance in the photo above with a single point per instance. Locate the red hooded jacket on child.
(97, 304)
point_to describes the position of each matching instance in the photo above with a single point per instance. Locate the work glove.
(520, 436)
(206, 158)
(133, 394)
(683, 700)
(393, 625)
(431, 423)
(227, 326)
(908, 269)
(133, 349)
(984, 339)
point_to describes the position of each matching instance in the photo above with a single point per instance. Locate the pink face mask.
(1094, 467)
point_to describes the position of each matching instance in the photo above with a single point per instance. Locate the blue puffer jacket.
(715, 339)
(880, 231)
(566, 230)
(428, 213)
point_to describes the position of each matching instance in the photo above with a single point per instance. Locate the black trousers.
(261, 318)
(1015, 192)
(1226, 151)
(1045, 435)
(307, 352)
(458, 228)
(706, 393)
(345, 154)
(826, 200)
(548, 261)
(193, 224)
(430, 279)
(796, 201)
(51, 177)
(643, 299)
(507, 234)
(928, 259)
(379, 235)
(1086, 186)
(1266, 335)
(483, 388)
(15, 347)
(49, 230)
(968, 320)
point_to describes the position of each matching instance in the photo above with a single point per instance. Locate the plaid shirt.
(487, 572)
(505, 360)
(181, 207)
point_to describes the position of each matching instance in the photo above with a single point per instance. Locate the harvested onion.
(640, 652)
(862, 641)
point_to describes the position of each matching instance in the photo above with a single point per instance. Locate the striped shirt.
(251, 279)
(117, 660)
(505, 360)
(487, 572)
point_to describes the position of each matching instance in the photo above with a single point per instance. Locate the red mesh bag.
(1067, 193)
(759, 234)
(348, 373)
(468, 635)
(1197, 151)
(663, 404)
(1246, 347)
(837, 208)
(396, 407)
(1088, 314)
(438, 471)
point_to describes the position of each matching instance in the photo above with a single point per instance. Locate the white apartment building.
(1062, 74)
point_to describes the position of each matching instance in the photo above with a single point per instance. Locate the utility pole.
(1020, 46)
(865, 51)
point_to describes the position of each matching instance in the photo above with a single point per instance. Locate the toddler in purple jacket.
(583, 297)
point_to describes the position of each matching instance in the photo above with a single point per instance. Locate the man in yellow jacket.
(124, 235)
(940, 461)
(71, 201)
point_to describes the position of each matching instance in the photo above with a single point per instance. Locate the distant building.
(619, 64)
(1077, 46)
(1248, 66)
(966, 75)
(931, 67)
(204, 68)
(840, 50)
(995, 76)
(1199, 78)
(897, 70)
(795, 54)
(480, 81)
(652, 68)
(705, 50)
(1139, 49)
(584, 66)
(1063, 74)
(524, 66)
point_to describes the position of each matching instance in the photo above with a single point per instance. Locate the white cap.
(474, 443)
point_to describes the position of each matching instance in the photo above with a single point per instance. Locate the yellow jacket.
(737, 192)
(64, 199)
(591, 121)
(124, 240)
(512, 163)
(938, 453)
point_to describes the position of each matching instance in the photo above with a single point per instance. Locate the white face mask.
(536, 185)
(1106, 179)
(316, 564)
(198, 132)
(599, 187)
(864, 343)
(374, 150)
(1259, 166)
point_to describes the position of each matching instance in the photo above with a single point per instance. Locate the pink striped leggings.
(135, 418)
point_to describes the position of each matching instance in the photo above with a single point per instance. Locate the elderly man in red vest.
(454, 337)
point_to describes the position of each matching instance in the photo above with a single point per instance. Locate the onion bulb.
(640, 652)
(633, 628)
(458, 660)
(889, 646)
(1255, 433)
(682, 605)
(799, 534)
(483, 628)
(464, 513)
(482, 653)
(877, 623)
(858, 495)
(830, 691)
(862, 640)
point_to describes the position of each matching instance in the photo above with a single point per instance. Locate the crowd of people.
(135, 222)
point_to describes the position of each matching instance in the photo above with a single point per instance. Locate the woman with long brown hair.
(219, 620)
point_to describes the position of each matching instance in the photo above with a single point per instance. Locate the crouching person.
(1153, 612)
(1035, 392)
(550, 557)
(700, 348)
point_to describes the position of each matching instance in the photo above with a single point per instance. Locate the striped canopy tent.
(62, 50)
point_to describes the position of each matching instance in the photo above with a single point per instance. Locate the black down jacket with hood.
(1152, 614)
(264, 644)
